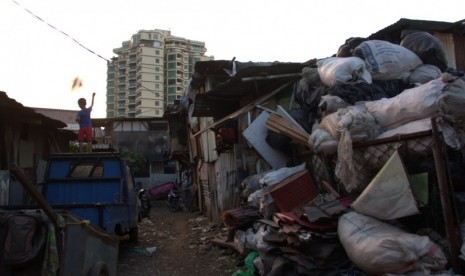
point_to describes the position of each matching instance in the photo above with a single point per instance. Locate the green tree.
(136, 161)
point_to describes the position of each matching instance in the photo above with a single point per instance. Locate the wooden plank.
(281, 111)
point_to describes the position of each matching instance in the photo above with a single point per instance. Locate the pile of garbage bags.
(370, 89)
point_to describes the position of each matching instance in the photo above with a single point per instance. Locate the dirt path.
(183, 247)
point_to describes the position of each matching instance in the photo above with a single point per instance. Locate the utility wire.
(50, 25)
(77, 42)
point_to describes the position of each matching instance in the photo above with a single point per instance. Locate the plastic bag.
(387, 61)
(335, 70)
(330, 104)
(424, 73)
(279, 175)
(410, 105)
(426, 46)
(378, 248)
(249, 263)
(452, 101)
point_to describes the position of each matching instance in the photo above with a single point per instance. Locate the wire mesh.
(369, 158)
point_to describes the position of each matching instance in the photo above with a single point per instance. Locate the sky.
(40, 58)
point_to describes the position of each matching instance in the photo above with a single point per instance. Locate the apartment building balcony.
(178, 44)
(132, 60)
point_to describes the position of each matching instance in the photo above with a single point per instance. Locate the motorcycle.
(174, 201)
(144, 204)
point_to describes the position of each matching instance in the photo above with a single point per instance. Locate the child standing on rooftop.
(85, 123)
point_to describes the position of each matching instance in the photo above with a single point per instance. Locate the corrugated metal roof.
(393, 32)
(66, 116)
(10, 107)
(253, 80)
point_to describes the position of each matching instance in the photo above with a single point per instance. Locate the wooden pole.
(448, 207)
(32, 190)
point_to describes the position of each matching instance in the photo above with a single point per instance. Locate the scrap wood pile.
(364, 226)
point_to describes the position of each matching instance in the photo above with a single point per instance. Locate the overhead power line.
(77, 42)
(50, 25)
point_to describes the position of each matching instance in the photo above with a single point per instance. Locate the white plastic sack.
(378, 248)
(321, 141)
(356, 119)
(387, 61)
(279, 175)
(410, 105)
(338, 70)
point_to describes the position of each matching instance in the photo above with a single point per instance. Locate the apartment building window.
(172, 65)
(157, 69)
(171, 74)
(157, 60)
(171, 81)
(172, 57)
(157, 52)
(157, 44)
(157, 103)
(157, 111)
(171, 90)
(157, 86)
(157, 77)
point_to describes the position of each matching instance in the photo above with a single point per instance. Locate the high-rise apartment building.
(150, 72)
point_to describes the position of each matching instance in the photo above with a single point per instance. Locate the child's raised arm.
(92, 103)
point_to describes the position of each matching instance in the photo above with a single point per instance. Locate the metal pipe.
(271, 77)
